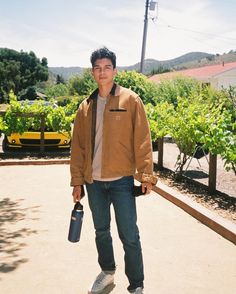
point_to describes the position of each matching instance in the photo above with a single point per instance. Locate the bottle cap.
(78, 206)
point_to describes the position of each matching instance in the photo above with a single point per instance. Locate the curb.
(218, 224)
(35, 162)
(223, 227)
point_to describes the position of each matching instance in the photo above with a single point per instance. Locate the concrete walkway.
(182, 256)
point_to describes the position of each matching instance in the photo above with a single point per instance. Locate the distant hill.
(210, 60)
(189, 60)
(66, 72)
(152, 64)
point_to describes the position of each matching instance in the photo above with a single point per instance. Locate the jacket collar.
(94, 95)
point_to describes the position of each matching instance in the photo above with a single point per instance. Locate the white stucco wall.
(224, 79)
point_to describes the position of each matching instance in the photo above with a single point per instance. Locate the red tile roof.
(198, 73)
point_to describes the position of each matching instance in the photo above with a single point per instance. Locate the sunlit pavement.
(181, 255)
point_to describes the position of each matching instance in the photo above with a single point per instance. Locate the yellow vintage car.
(32, 139)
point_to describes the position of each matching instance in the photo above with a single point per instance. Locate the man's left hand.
(146, 188)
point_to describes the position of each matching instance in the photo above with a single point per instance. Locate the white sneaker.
(138, 290)
(101, 282)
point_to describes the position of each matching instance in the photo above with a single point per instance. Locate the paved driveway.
(182, 256)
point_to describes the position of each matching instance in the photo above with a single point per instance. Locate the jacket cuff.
(76, 182)
(146, 178)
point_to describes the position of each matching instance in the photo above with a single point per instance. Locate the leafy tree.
(29, 93)
(159, 70)
(230, 104)
(70, 101)
(220, 137)
(139, 84)
(82, 85)
(12, 96)
(60, 79)
(57, 90)
(187, 126)
(57, 118)
(20, 70)
(159, 119)
(170, 90)
(205, 117)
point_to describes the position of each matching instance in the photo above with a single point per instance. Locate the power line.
(199, 39)
(197, 32)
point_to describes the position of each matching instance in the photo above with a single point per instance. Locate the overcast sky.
(67, 31)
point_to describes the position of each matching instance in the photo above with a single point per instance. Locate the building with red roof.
(217, 75)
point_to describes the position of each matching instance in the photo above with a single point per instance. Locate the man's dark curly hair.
(103, 53)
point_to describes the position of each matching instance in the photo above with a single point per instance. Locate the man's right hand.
(76, 193)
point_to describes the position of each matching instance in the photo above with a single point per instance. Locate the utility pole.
(144, 36)
(150, 5)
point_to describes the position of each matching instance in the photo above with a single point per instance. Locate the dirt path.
(181, 255)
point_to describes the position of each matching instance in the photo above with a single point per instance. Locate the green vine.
(21, 117)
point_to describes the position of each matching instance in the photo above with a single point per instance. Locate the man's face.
(103, 72)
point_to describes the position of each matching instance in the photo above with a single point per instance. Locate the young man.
(111, 142)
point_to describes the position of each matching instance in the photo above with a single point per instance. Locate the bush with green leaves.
(69, 99)
(57, 90)
(170, 90)
(220, 135)
(205, 117)
(159, 117)
(82, 85)
(18, 117)
(229, 152)
(187, 127)
(138, 83)
(58, 120)
(2, 125)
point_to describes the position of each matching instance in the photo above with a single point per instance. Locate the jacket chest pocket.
(116, 117)
(119, 114)
(116, 121)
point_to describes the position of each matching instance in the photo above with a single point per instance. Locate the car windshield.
(31, 102)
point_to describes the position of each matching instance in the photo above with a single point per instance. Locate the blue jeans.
(119, 193)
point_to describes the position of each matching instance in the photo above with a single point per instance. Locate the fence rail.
(212, 166)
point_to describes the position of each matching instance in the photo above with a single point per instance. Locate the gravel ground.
(195, 182)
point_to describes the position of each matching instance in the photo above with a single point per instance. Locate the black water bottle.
(76, 222)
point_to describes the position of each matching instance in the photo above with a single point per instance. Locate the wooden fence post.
(160, 153)
(212, 173)
(42, 127)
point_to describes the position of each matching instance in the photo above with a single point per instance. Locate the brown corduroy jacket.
(127, 148)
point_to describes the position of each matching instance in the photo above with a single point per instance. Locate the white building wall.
(225, 79)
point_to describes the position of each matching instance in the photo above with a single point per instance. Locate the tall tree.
(20, 70)
(60, 79)
(82, 85)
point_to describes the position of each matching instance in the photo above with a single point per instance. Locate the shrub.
(170, 90)
(57, 118)
(57, 90)
(82, 85)
(139, 84)
(206, 118)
